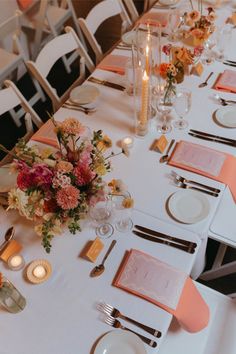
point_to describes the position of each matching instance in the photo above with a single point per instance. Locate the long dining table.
(61, 314)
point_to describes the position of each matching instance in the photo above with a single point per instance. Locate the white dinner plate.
(84, 94)
(227, 116)
(129, 38)
(7, 178)
(120, 342)
(188, 206)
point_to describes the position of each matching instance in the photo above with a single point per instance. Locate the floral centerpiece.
(199, 26)
(58, 188)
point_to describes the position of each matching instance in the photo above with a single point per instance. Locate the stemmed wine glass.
(164, 106)
(223, 41)
(100, 213)
(182, 106)
(173, 22)
(123, 221)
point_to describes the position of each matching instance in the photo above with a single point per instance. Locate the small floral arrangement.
(200, 26)
(180, 58)
(58, 188)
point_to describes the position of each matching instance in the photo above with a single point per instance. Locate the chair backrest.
(48, 56)
(217, 338)
(131, 9)
(98, 14)
(148, 4)
(12, 97)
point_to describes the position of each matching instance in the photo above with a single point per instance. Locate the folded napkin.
(165, 286)
(115, 63)
(24, 4)
(226, 81)
(46, 134)
(211, 163)
(154, 18)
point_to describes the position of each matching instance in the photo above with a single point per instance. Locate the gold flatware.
(151, 232)
(115, 313)
(203, 84)
(213, 137)
(185, 180)
(188, 249)
(8, 237)
(98, 270)
(75, 107)
(186, 186)
(164, 158)
(199, 136)
(106, 83)
(116, 324)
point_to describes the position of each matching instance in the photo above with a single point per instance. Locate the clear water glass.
(100, 213)
(164, 107)
(173, 22)
(223, 41)
(123, 221)
(10, 297)
(182, 106)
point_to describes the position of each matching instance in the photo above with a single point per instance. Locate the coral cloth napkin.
(207, 162)
(115, 63)
(46, 134)
(226, 81)
(155, 17)
(165, 286)
(24, 3)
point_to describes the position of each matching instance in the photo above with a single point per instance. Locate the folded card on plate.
(46, 134)
(208, 162)
(165, 286)
(226, 81)
(115, 63)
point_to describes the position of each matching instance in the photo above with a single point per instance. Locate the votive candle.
(127, 142)
(16, 262)
(39, 272)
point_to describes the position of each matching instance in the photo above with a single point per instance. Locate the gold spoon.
(98, 270)
(203, 84)
(164, 158)
(8, 236)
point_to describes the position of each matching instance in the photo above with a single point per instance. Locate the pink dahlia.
(41, 175)
(24, 179)
(68, 197)
(83, 174)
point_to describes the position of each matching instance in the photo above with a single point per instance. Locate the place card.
(197, 69)
(93, 249)
(160, 144)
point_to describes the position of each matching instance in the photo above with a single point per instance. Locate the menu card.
(207, 162)
(151, 279)
(227, 81)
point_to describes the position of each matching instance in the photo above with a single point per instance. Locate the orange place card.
(165, 286)
(11, 248)
(94, 249)
(205, 161)
(197, 69)
(161, 144)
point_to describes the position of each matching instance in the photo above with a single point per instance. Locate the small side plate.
(84, 94)
(226, 116)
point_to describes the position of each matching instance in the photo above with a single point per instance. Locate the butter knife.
(166, 237)
(233, 141)
(106, 83)
(165, 242)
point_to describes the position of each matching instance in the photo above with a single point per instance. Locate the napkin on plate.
(226, 81)
(46, 134)
(208, 162)
(165, 286)
(115, 63)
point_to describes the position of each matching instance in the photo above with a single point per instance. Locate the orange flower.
(163, 68)
(71, 126)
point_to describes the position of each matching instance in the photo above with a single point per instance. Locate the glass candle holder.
(10, 297)
(16, 262)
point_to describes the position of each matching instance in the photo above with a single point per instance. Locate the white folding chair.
(133, 13)
(98, 14)
(148, 4)
(10, 99)
(48, 56)
(48, 19)
(218, 269)
(10, 61)
(217, 338)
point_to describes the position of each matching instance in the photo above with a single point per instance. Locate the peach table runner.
(211, 163)
(165, 286)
